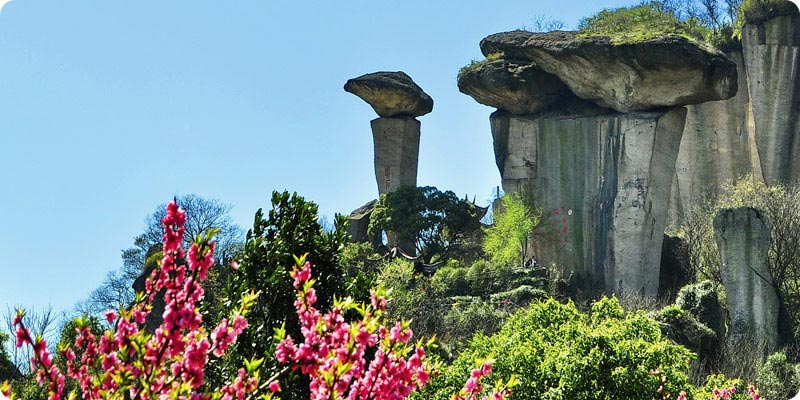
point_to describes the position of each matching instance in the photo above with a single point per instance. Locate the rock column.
(772, 58)
(590, 131)
(743, 239)
(398, 101)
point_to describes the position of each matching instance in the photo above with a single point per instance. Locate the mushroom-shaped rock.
(391, 94)
(520, 88)
(645, 75)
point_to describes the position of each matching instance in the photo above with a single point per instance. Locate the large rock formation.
(660, 72)
(520, 88)
(743, 239)
(603, 176)
(397, 99)
(757, 131)
(358, 222)
(772, 59)
(391, 94)
(603, 181)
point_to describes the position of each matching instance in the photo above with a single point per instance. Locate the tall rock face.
(772, 57)
(603, 181)
(716, 147)
(743, 239)
(757, 132)
(597, 153)
(397, 100)
(396, 152)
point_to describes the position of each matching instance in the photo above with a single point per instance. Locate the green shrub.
(702, 301)
(640, 23)
(519, 296)
(755, 11)
(558, 352)
(475, 65)
(778, 378)
(719, 381)
(506, 241)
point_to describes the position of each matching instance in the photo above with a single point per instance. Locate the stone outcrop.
(358, 222)
(743, 239)
(391, 94)
(772, 59)
(397, 99)
(520, 88)
(646, 75)
(603, 181)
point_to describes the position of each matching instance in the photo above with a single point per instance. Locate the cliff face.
(757, 132)
(603, 182)
(771, 56)
(716, 147)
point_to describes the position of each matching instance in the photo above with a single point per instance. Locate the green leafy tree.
(506, 241)
(426, 221)
(291, 228)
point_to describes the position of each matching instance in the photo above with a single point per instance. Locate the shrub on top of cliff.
(757, 11)
(475, 65)
(645, 21)
(560, 353)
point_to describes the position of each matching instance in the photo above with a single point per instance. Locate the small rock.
(519, 88)
(391, 94)
(660, 72)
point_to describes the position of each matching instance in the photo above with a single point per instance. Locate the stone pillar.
(603, 182)
(743, 239)
(772, 56)
(398, 101)
(396, 152)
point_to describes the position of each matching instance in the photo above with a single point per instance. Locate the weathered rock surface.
(743, 239)
(520, 88)
(662, 72)
(396, 152)
(391, 94)
(716, 148)
(603, 181)
(772, 57)
(674, 272)
(358, 222)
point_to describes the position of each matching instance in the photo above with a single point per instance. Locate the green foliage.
(475, 65)
(7, 369)
(778, 378)
(755, 11)
(640, 23)
(780, 207)
(719, 381)
(291, 228)
(558, 352)
(506, 241)
(426, 221)
(360, 272)
(702, 301)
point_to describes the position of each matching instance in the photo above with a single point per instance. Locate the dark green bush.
(701, 300)
(778, 378)
(558, 352)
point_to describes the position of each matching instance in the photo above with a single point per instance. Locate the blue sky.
(108, 108)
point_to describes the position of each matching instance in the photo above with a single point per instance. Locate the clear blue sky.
(109, 107)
